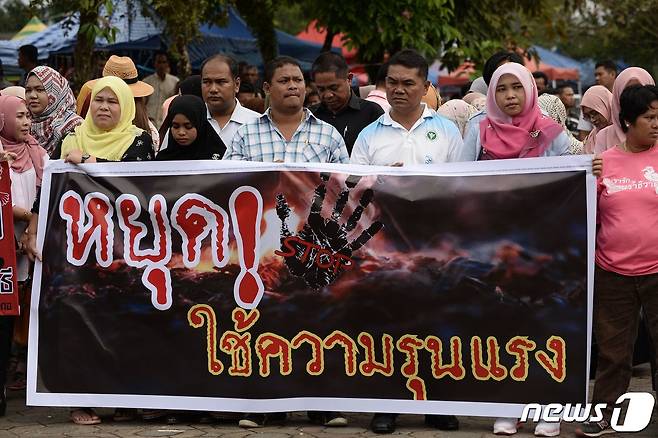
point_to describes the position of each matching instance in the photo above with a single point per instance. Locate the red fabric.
(552, 72)
(312, 34)
(8, 284)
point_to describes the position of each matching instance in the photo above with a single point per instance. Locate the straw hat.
(432, 98)
(124, 68)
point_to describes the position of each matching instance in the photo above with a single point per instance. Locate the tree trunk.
(84, 57)
(328, 39)
(184, 66)
(258, 15)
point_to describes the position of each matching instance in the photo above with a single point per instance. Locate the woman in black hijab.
(190, 136)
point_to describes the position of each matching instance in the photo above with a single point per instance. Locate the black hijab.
(207, 146)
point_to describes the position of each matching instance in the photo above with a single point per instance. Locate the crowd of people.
(227, 112)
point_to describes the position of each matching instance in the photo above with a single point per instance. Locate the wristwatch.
(85, 157)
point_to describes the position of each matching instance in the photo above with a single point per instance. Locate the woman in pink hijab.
(597, 108)
(613, 135)
(27, 168)
(514, 126)
(25, 172)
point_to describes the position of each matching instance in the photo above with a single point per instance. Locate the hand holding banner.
(458, 289)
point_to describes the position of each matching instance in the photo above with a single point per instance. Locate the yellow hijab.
(109, 145)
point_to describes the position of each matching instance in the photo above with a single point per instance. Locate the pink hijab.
(527, 135)
(458, 111)
(613, 134)
(599, 99)
(28, 153)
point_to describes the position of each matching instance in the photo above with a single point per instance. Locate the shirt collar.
(354, 102)
(387, 120)
(307, 115)
(238, 115)
(378, 93)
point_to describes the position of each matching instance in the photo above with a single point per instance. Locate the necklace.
(277, 127)
(625, 147)
(277, 123)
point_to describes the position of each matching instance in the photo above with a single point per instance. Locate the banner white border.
(492, 167)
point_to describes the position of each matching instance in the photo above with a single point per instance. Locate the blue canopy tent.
(237, 30)
(134, 30)
(140, 36)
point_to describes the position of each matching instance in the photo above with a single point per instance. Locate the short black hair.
(635, 101)
(410, 58)
(542, 75)
(560, 88)
(380, 79)
(607, 64)
(329, 62)
(247, 87)
(278, 62)
(30, 52)
(161, 53)
(495, 60)
(232, 64)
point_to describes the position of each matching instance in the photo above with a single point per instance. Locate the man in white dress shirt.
(220, 84)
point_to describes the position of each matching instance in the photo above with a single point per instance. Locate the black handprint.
(322, 247)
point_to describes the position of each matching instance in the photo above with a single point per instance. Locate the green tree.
(14, 14)
(453, 30)
(259, 15)
(181, 23)
(94, 21)
(620, 29)
(291, 17)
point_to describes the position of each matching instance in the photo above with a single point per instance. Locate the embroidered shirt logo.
(431, 135)
(428, 159)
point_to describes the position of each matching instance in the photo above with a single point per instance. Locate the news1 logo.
(638, 414)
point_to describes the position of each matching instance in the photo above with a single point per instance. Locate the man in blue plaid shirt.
(287, 132)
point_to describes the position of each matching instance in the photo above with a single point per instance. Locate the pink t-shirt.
(627, 238)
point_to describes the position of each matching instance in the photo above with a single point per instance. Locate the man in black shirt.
(340, 107)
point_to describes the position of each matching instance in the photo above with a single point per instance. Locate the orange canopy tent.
(312, 34)
(458, 77)
(553, 73)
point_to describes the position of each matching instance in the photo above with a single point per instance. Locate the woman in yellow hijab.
(107, 134)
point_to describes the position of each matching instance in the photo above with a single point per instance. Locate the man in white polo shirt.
(220, 84)
(410, 133)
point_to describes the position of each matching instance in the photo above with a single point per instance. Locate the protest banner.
(8, 284)
(251, 287)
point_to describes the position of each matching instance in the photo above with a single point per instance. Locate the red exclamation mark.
(158, 280)
(246, 206)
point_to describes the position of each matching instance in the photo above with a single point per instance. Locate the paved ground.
(22, 421)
